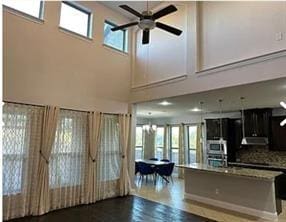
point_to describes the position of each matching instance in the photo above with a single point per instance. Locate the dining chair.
(136, 168)
(153, 158)
(165, 160)
(145, 169)
(165, 171)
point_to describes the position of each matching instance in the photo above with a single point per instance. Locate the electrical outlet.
(217, 191)
(279, 36)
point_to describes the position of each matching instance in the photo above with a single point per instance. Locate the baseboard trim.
(233, 207)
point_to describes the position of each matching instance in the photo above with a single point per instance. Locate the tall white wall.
(45, 65)
(223, 44)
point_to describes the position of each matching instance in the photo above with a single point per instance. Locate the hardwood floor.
(131, 208)
(172, 194)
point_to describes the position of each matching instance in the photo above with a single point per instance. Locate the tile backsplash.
(260, 154)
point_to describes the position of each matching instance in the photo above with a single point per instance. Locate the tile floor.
(173, 195)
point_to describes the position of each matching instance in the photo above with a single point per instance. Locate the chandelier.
(149, 128)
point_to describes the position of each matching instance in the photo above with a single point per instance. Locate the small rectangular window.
(75, 18)
(32, 7)
(117, 39)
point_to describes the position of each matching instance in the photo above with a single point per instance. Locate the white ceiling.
(258, 95)
(139, 6)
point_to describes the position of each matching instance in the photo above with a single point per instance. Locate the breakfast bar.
(247, 191)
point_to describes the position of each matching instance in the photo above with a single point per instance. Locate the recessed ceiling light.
(165, 103)
(196, 109)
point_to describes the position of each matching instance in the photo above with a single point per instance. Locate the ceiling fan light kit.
(147, 21)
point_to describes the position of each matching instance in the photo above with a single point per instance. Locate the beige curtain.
(149, 143)
(21, 133)
(94, 132)
(50, 118)
(182, 148)
(166, 149)
(199, 148)
(124, 132)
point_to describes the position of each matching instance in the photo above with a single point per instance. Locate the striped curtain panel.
(49, 125)
(124, 133)
(166, 148)
(182, 148)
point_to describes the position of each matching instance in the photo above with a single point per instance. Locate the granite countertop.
(276, 167)
(234, 171)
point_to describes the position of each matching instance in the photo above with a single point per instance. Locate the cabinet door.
(249, 122)
(278, 134)
(212, 129)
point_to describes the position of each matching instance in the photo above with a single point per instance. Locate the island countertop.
(236, 171)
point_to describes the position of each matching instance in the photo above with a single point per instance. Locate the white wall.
(233, 31)
(215, 34)
(166, 53)
(44, 65)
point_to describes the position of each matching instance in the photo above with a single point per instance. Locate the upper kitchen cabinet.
(278, 133)
(213, 128)
(257, 122)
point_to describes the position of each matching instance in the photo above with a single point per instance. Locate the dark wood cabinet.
(235, 133)
(278, 134)
(213, 129)
(257, 122)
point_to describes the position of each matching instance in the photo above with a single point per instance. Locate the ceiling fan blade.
(146, 36)
(168, 28)
(120, 27)
(165, 11)
(131, 10)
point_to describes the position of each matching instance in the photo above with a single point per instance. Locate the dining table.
(154, 163)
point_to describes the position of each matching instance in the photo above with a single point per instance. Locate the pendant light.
(220, 120)
(202, 123)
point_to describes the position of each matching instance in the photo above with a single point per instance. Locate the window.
(159, 142)
(68, 153)
(76, 18)
(192, 143)
(21, 139)
(174, 144)
(139, 143)
(117, 39)
(32, 7)
(14, 150)
(109, 157)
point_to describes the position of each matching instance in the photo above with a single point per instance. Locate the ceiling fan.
(147, 21)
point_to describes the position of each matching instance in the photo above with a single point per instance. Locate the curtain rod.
(28, 104)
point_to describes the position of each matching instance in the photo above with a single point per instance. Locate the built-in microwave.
(217, 147)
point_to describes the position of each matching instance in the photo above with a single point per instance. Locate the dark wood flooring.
(130, 208)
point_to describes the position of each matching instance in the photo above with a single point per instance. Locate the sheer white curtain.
(108, 159)
(68, 160)
(149, 143)
(21, 145)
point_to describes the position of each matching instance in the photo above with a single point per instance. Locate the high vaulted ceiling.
(257, 95)
(139, 6)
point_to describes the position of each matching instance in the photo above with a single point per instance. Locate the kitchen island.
(248, 191)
